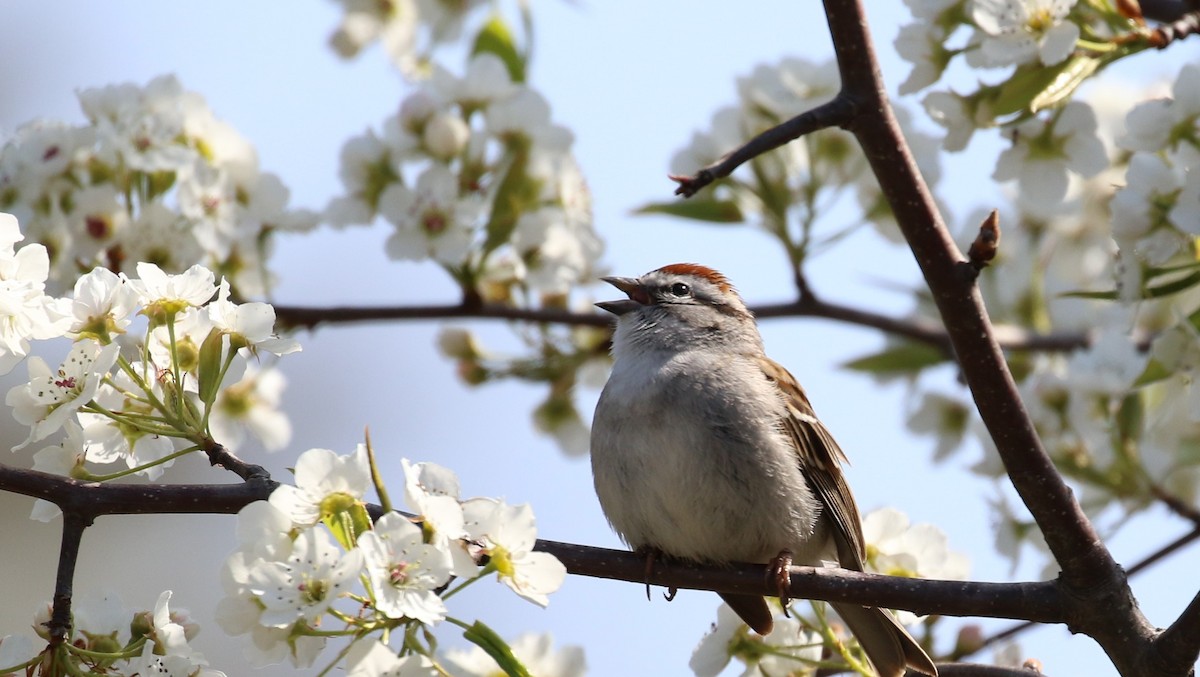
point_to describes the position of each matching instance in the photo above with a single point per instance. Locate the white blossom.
(535, 651)
(304, 585)
(322, 479)
(47, 401)
(404, 570)
(1017, 31)
(1043, 153)
(507, 534)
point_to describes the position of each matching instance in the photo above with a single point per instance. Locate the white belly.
(674, 472)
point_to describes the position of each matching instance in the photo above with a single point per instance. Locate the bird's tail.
(886, 642)
(753, 609)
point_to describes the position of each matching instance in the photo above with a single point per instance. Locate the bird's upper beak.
(633, 288)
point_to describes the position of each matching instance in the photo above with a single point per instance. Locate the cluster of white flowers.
(472, 173)
(894, 547)
(897, 548)
(1156, 214)
(152, 176)
(790, 649)
(995, 34)
(408, 29)
(1119, 415)
(140, 402)
(795, 182)
(289, 571)
(107, 639)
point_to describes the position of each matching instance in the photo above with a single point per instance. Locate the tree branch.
(59, 626)
(1092, 579)
(92, 499)
(310, 317)
(835, 113)
(1038, 601)
(1176, 648)
(1143, 564)
(1075, 544)
(917, 329)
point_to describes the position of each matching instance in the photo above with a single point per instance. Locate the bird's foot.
(779, 575)
(651, 554)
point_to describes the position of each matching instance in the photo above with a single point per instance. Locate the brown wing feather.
(820, 460)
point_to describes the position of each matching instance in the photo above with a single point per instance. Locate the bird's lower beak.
(637, 296)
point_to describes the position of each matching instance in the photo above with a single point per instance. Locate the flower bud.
(445, 136)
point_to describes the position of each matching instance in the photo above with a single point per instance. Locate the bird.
(705, 449)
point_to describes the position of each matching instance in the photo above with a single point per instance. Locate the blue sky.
(633, 81)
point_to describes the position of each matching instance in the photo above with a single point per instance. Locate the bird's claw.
(778, 573)
(669, 595)
(651, 555)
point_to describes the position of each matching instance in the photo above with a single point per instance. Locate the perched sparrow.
(705, 449)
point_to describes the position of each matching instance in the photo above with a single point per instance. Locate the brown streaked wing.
(820, 460)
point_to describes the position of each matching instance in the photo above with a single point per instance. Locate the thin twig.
(832, 114)
(917, 329)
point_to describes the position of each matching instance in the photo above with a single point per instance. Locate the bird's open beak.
(630, 285)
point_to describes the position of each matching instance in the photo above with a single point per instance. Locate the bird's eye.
(680, 289)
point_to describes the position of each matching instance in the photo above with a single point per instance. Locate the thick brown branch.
(1086, 563)
(1034, 601)
(92, 499)
(1040, 601)
(977, 670)
(832, 114)
(1141, 565)
(1176, 649)
(1166, 10)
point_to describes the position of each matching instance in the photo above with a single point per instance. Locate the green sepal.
(158, 183)
(209, 369)
(346, 523)
(899, 359)
(496, 38)
(710, 210)
(485, 638)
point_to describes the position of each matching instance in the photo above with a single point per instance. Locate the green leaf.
(697, 209)
(496, 38)
(1154, 372)
(899, 359)
(1076, 72)
(487, 639)
(1166, 289)
(1035, 87)
(1131, 416)
(518, 192)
